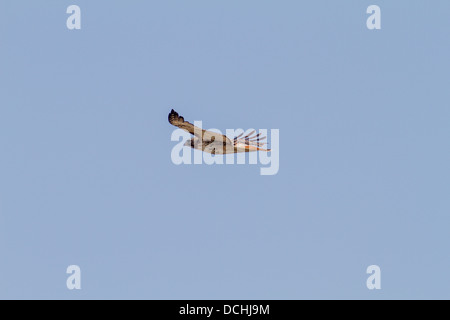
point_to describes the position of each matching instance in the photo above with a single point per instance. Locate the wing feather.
(205, 135)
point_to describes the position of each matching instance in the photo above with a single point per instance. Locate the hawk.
(216, 143)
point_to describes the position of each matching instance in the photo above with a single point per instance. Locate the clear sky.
(86, 176)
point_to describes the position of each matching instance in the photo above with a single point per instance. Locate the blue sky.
(86, 176)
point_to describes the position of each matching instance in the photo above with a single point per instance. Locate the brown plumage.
(216, 143)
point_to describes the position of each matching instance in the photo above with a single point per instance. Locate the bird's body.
(216, 143)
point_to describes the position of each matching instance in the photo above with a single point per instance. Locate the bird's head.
(192, 143)
(188, 143)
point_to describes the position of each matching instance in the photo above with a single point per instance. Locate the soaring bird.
(216, 143)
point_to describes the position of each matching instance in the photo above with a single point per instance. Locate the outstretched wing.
(206, 136)
(176, 120)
